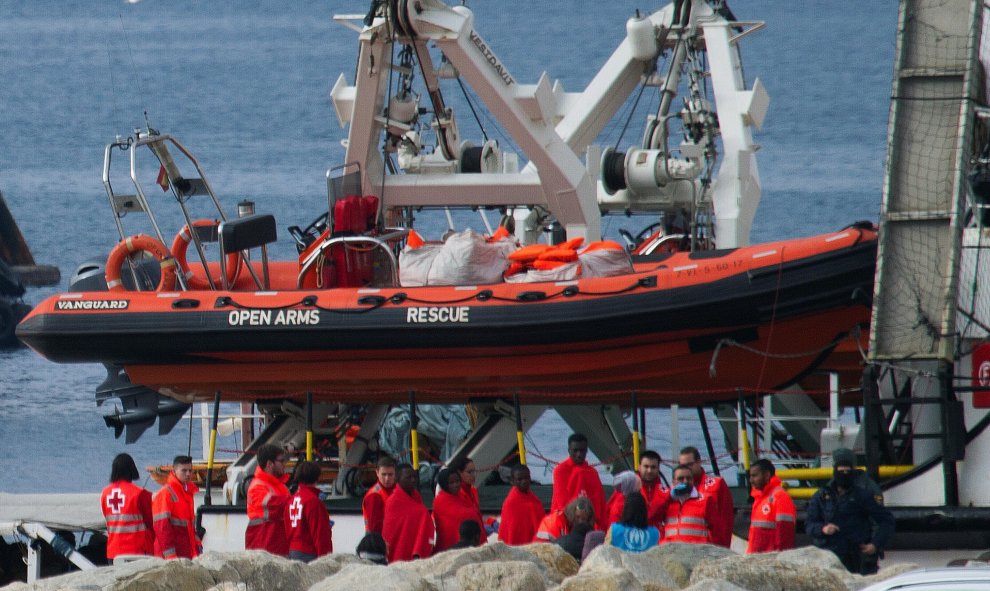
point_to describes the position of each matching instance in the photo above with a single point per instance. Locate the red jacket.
(408, 528)
(175, 520)
(373, 507)
(657, 496)
(690, 521)
(771, 526)
(130, 523)
(267, 499)
(448, 513)
(308, 523)
(571, 481)
(716, 487)
(521, 517)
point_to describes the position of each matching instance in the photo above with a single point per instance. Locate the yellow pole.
(309, 426)
(414, 436)
(635, 434)
(520, 444)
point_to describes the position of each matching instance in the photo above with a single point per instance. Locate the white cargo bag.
(605, 263)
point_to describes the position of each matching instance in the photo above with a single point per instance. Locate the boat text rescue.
(437, 314)
(273, 318)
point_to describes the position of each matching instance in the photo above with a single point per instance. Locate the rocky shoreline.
(536, 567)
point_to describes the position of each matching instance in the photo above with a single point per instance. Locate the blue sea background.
(245, 85)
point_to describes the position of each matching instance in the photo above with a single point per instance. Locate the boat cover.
(55, 511)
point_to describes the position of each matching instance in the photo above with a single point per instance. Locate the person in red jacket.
(522, 511)
(267, 498)
(307, 521)
(772, 522)
(715, 487)
(574, 478)
(373, 505)
(451, 509)
(127, 509)
(656, 494)
(408, 528)
(625, 483)
(469, 474)
(175, 515)
(690, 511)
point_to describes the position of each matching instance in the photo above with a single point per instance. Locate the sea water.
(245, 85)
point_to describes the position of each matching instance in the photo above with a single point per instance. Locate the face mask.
(844, 479)
(682, 489)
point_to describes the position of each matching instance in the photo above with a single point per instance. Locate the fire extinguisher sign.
(981, 376)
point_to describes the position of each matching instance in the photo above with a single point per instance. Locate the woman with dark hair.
(450, 509)
(466, 469)
(632, 533)
(127, 509)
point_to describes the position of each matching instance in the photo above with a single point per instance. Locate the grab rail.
(378, 241)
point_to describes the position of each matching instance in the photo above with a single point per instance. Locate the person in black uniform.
(847, 520)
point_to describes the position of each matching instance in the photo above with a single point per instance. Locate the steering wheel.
(307, 235)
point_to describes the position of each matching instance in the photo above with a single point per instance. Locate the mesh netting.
(936, 136)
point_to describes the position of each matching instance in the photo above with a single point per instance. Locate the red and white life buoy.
(140, 243)
(181, 245)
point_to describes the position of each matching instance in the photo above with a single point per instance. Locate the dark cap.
(844, 456)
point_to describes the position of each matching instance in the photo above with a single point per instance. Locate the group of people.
(846, 516)
(293, 525)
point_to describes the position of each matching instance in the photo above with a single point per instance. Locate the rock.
(229, 586)
(679, 559)
(646, 567)
(614, 579)
(811, 556)
(764, 572)
(259, 569)
(711, 585)
(513, 575)
(152, 574)
(372, 577)
(331, 564)
(558, 562)
(441, 570)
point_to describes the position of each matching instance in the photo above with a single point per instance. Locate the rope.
(853, 334)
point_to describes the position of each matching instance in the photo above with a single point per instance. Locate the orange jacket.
(552, 526)
(267, 498)
(130, 524)
(771, 527)
(175, 520)
(721, 524)
(690, 521)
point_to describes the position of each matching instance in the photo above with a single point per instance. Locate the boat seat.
(242, 234)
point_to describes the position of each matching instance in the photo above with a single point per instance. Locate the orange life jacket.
(689, 521)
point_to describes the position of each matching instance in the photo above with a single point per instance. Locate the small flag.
(162, 178)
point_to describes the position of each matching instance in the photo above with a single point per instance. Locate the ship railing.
(170, 178)
(381, 242)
